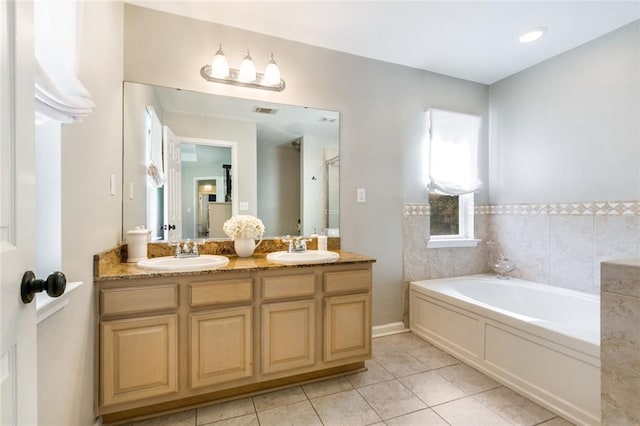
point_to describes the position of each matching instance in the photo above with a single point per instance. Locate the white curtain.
(154, 149)
(59, 95)
(453, 152)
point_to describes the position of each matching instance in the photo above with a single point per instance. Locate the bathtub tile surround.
(564, 244)
(620, 348)
(560, 244)
(427, 398)
(420, 262)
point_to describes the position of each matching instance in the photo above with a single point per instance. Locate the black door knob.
(54, 285)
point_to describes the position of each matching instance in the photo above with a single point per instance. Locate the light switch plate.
(244, 206)
(361, 196)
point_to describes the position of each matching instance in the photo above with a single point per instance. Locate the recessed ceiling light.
(532, 35)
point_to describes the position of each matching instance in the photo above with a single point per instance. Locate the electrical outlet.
(361, 196)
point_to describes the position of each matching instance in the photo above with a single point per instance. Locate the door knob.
(54, 285)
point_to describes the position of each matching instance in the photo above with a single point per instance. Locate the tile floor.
(408, 382)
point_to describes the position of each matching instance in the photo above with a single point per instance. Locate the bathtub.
(541, 341)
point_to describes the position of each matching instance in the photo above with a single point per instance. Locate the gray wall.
(279, 188)
(382, 121)
(136, 99)
(568, 129)
(91, 221)
(244, 133)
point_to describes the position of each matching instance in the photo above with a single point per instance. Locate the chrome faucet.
(186, 249)
(296, 244)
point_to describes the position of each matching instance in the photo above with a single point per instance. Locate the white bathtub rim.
(523, 322)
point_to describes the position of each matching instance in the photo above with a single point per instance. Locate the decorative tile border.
(417, 210)
(610, 208)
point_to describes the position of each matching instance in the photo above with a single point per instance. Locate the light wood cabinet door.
(288, 335)
(347, 327)
(139, 358)
(221, 346)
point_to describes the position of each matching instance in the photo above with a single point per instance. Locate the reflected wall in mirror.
(191, 160)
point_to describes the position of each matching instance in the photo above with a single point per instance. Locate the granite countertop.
(108, 266)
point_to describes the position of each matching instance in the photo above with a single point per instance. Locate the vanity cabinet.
(347, 318)
(179, 340)
(221, 346)
(288, 335)
(220, 337)
(128, 372)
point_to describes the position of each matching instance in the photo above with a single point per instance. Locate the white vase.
(245, 247)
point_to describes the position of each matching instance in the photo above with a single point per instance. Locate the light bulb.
(271, 73)
(247, 69)
(220, 65)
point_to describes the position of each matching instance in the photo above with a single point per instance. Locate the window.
(445, 217)
(452, 178)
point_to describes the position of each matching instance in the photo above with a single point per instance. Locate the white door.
(172, 187)
(18, 344)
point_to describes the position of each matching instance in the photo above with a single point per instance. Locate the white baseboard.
(388, 329)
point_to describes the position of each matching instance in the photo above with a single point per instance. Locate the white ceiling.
(474, 40)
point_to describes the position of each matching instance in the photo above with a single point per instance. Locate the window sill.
(47, 306)
(453, 243)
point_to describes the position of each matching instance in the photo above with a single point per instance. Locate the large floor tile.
(515, 408)
(426, 417)
(246, 420)
(183, 418)
(401, 364)
(468, 411)
(326, 387)
(468, 379)
(383, 345)
(432, 388)
(433, 357)
(225, 410)
(391, 399)
(407, 341)
(558, 421)
(375, 374)
(344, 408)
(278, 398)
(297, 414)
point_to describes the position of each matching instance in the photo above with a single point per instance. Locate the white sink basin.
(304, 258)
(170, 263)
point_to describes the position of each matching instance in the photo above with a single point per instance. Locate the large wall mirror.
(192, 160)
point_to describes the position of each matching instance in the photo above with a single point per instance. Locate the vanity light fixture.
(532, 35)
(246, 76)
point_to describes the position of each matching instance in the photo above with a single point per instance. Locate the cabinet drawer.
(288, 286)
(132, 300)
(221, 292)
(344, 281)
